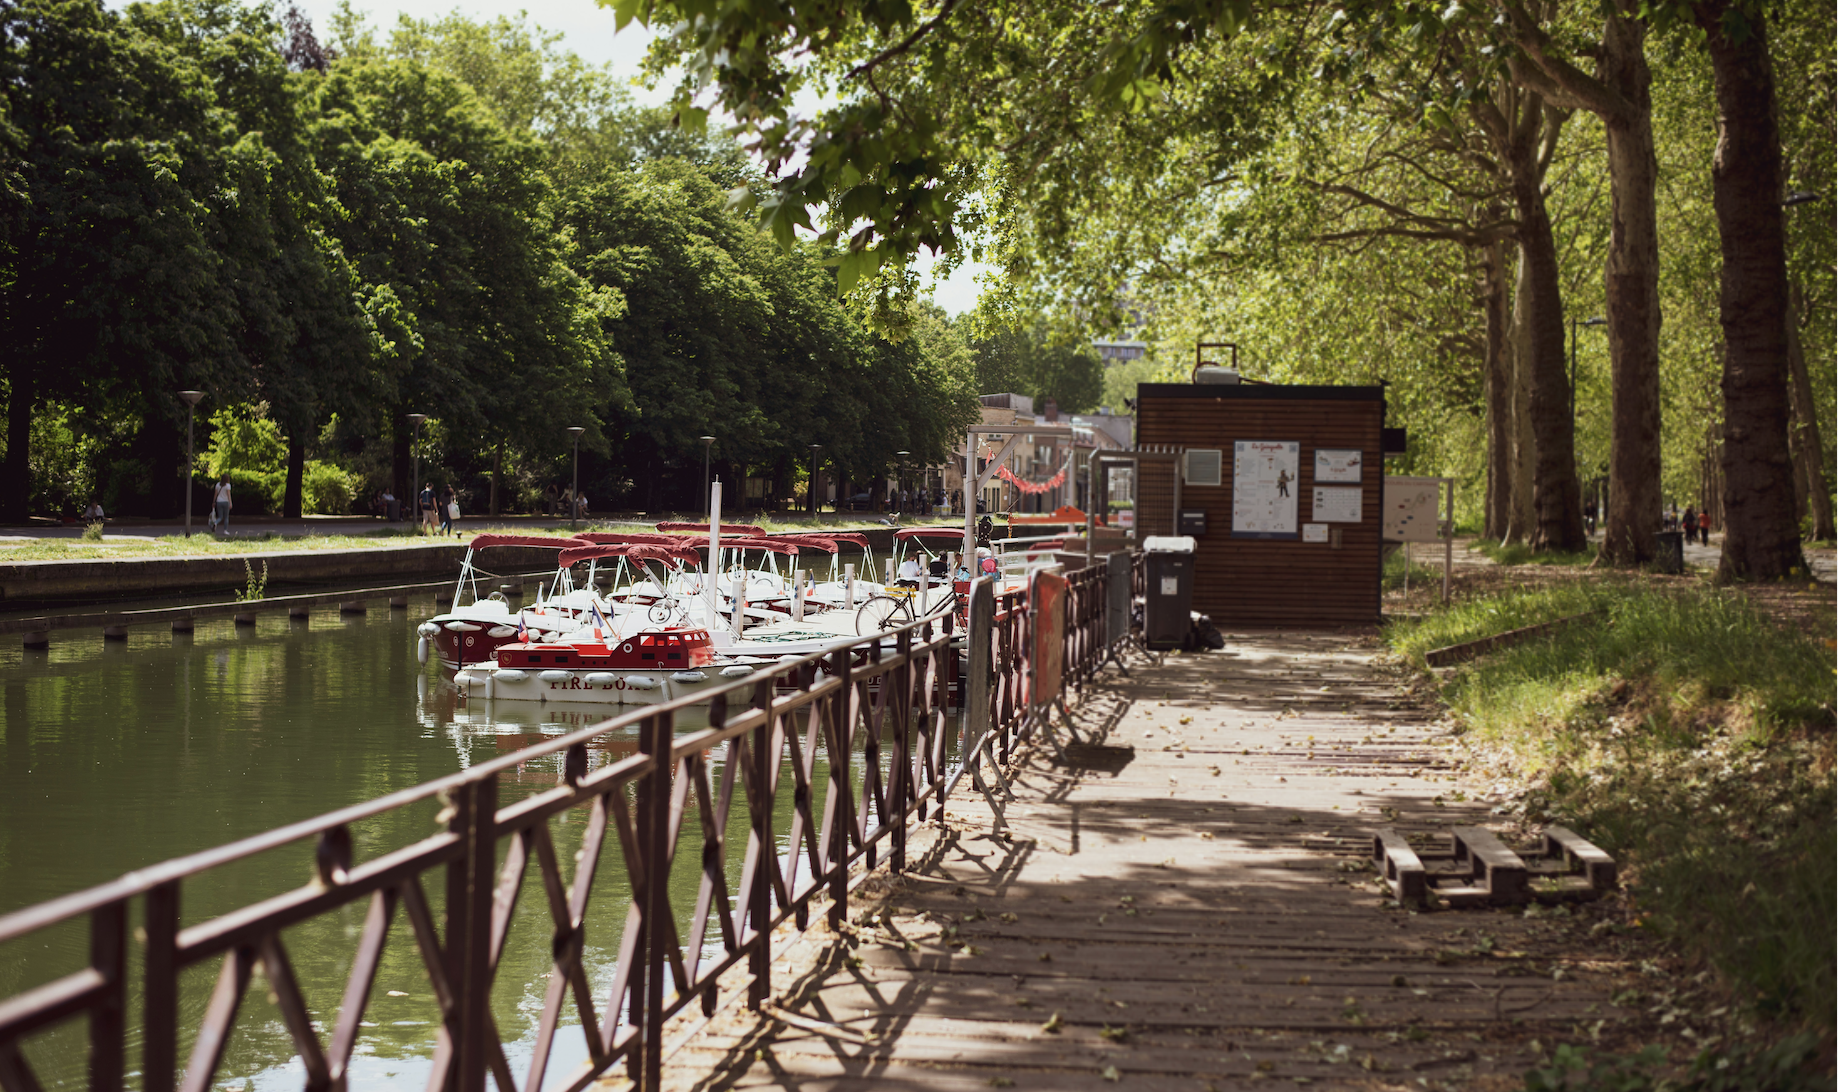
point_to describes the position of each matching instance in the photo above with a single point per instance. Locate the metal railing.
(877, 711)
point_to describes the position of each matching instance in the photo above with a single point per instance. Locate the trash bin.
(1167, 611)
(392, 509)
(1670, 555)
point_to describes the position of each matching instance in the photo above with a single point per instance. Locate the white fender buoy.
(428, 629)
(641, 682)
(556, 676)
(421, 649)
(689, 676)
(464, 678)
(600, 678)
(463, 627)
(501, 631)
(510, 675)
(735, 671)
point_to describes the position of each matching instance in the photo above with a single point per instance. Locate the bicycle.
(893, 608)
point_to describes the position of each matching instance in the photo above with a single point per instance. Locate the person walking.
(221, 504)
(426, 502)
(1691, 524)
(449, 510)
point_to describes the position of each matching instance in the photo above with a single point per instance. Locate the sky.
(587, 30)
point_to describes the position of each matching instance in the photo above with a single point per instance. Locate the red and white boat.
(475, 626)
(644, 667)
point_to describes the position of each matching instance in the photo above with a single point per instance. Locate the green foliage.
(252, 492)
(1518, 553)
(1042, 365)
(93, 531)
(1788, 1066)
(244, 439)
(254, 587)
(328, 490)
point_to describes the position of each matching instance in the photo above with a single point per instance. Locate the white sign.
(1338, 464)
(1410, 510)
(1171, 585)
(1314, 532)
(1264, 488)
(1338, 503)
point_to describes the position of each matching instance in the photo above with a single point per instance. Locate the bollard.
(38, 638)
(848, 585)
(797, 595)
(114, 633)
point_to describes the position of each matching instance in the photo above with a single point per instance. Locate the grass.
(1690, 735)
(1518, 553)
(1391, 577)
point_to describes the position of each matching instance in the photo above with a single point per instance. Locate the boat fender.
(463, 627)
(510, 675)
(428, 629)
(556, 676)
(641, 682)
(464, 678)
(501, 631)
(735, 671)
(688, 676)
(421, 649)
(600, 678)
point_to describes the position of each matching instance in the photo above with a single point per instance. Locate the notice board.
(1293, 535)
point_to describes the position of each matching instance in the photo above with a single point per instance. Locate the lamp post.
(902, 477)
(414, 463)
(814, 449)
(708, 444)
(574, 491)
(190, 398)
(1596, 321)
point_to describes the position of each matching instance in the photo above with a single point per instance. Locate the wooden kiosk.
(1280, 486)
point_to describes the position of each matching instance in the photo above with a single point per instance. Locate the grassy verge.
(1391, 577)
(1692, 737)
(1518, 553)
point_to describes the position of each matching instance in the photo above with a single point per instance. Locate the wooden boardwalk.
(1182, 907)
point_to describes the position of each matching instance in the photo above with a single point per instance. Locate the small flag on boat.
(600, 623)
(523, 631)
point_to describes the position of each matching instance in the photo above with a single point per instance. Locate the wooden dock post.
(246, 618)
(352, 606)
(182, 625)
(114, 633)
(38, 638)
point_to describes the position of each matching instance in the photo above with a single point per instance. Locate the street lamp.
(708, 443)
(1597, 321)
(814, 449)
(414, 463)
(574, 491)
(190, 398)
(902, 478)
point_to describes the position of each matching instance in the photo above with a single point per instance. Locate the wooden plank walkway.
(1183, 907)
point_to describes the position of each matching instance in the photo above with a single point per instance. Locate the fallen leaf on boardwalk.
(1053, 1024)
(1207, 835)
(1186, 720)
(1046, 957)
(1009, 919)
(1115, 1035)
(1110, 1073)
(1024, 1002)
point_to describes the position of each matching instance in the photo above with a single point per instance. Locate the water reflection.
(121, 754)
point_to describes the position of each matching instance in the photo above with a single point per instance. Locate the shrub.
(327, 490)
(255, 494)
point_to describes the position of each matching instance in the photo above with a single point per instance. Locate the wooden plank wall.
(1155, 494)
(1254, 582)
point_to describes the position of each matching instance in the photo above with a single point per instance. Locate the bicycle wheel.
(880, 614)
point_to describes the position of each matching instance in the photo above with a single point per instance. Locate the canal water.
(122, 754)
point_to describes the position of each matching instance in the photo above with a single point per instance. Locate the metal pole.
(414, 463)
(574, 488)
(708, 443)
(190, 398)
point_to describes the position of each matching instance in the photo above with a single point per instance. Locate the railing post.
(654, 827)
(979, 639)
(470, 886)
(759, 896)
(161, 989)
(841, 801)
(901, 791)
(108, 956)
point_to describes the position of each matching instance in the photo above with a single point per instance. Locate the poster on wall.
(1411, 509)
(1340, 465)
(1264, 488)
(1338, 504)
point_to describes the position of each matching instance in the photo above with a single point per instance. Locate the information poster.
(1338, 504)
(1410, 509)
(1264, 488)
(1340, 465)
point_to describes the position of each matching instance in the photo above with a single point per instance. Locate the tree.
(1035, 362)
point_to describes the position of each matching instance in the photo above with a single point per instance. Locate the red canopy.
(853, 538)
(649, 538)
(776, 545)
(930, 532)
(726, 528)
(481, 541)
(634, 551)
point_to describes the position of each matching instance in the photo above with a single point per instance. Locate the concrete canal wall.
(25, 582)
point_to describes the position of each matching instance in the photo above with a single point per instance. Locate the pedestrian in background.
(449, 511)
(221, 504)
(426, 501)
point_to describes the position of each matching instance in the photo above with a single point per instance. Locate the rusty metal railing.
(877, 712)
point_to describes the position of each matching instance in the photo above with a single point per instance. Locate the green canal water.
(122, 754)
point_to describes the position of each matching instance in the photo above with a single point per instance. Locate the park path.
(1181, 906)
